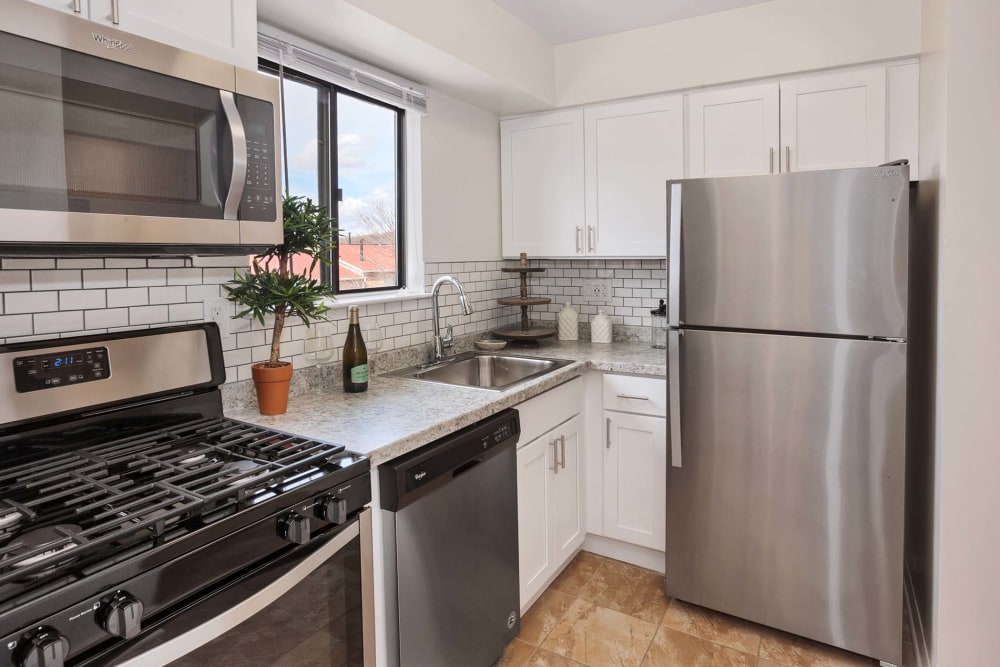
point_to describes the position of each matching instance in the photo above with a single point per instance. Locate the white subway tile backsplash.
(185, 312)
(82, 299)
(128, 296)
(124, 262)
(103, 278)
(15, 325)
(80, 263)
(148, 315)
(30, 302)
(106, 318)
(15, 281)
(49, 323)
(184, 276)
(32, 263)
(147, 277)
(58, 279)
(172, 294)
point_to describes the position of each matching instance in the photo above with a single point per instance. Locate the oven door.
(312, 607)
(98, 152)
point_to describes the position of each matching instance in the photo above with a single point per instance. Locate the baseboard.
(651, 559)
(921, 655)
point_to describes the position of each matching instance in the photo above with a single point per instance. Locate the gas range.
(116, 514)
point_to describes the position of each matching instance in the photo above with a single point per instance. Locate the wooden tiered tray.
(524, 333)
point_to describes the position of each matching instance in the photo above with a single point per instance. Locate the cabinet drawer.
(546, 411)
(643, 396)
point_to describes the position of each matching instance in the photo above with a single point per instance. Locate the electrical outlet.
(218, 311)
(597, 290)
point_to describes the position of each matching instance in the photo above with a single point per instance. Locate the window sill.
(378, 297)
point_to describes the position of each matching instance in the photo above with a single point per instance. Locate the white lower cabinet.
(550, 518)
(635, 478)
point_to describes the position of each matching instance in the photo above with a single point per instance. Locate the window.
(345, 151)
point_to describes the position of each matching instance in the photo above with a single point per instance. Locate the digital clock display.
(66, 360)
(51, 371)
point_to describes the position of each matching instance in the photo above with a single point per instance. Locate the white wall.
(762, 40)
(460, 152)
(965, 142)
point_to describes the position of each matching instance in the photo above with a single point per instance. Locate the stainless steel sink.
(483, 370)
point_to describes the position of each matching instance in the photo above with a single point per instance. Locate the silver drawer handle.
(555, 456)
(562, 451)
(607, 434)
(115, 12)
(634, 398)
(579, 239)
(77, 6)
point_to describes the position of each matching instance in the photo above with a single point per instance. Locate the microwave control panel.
(260, 193)
(48, 371)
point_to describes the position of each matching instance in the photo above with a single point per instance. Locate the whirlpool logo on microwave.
(112, 42)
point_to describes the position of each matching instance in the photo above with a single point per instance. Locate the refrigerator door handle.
(674, 276)
(674, 390)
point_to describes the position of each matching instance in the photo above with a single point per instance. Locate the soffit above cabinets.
(562, 21)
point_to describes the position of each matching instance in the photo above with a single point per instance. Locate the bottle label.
(359, 374)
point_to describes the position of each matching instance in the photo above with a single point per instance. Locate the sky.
(366, 151)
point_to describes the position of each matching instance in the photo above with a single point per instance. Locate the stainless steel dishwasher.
(450, 513)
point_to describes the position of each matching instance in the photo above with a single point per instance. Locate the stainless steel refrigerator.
(787, 387)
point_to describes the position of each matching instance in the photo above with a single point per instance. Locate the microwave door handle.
(238, 181)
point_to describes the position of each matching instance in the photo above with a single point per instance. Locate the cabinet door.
(833, 121)
(635, 478)
(733, 132)
(567, 492)
(534, 526)
(541, 173)
(632, 149)
(221, 29)
(78, 7)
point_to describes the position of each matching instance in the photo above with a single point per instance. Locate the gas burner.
(190, 455)
(234, 468)
(9, 518)
(37, 540)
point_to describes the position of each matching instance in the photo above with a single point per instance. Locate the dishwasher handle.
(404, 480)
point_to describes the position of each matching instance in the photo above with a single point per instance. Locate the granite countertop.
(398, 415)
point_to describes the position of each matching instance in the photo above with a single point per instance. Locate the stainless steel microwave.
(115, 144)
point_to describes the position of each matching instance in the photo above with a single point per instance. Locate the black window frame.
(328, 176)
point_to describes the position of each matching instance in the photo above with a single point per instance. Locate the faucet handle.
(449, 338)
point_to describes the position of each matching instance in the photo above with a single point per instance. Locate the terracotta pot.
(272, 387)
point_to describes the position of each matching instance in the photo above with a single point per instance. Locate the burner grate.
(136, 488)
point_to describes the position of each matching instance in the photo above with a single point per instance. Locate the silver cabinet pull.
(607, 434)
(674, 391)
(238, 180)
(115, 13)
(555, 456)
(590, 238)
(772, 160)
(788, 158)
(78, 6)
(634, 398)
(579, 240)
(562, 451)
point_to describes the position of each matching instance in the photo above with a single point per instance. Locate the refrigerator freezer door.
(788, 508)
(817, 252)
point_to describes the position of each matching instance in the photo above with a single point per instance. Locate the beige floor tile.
(713, 626)
(600, 637)
(576, 575)
(791, 651)
(515, 655)
(629, 589)
(764, 662)
(543, 658)
(670, 648)
(538, 622)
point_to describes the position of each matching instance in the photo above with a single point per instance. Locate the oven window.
(316, 624)
(83, 134)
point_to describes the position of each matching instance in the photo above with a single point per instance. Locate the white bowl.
(491, 344)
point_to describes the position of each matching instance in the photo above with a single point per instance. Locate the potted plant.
(275, 286)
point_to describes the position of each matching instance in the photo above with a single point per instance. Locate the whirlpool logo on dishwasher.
(420, 475)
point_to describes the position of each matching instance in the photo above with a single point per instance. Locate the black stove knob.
(42, 648)
(332, 509)
(294, 528)
(121, 616)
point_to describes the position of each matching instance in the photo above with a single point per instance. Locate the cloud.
(352, 208)
(351, 149)
(305, 159)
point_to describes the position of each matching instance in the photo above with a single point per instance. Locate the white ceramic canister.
(600, 328)
(569, 323)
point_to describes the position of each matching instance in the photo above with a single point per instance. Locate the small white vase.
(600, 328)
(569, 323)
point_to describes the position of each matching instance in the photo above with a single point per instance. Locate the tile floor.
(604, 613)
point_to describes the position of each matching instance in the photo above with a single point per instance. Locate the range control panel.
(46, 371)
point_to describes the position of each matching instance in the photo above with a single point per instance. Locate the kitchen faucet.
(441, 342)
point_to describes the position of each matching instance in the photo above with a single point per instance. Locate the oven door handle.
(174, 638)
(238, 136)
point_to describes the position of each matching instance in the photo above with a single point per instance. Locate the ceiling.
(562, 21)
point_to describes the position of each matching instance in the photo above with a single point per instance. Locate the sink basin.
(485, 371)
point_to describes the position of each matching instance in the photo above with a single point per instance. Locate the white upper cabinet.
(834, 121)
(541, 167)
(222, 29)
(733, 132)
(903, 105)
(632, 149)
(79, 7)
